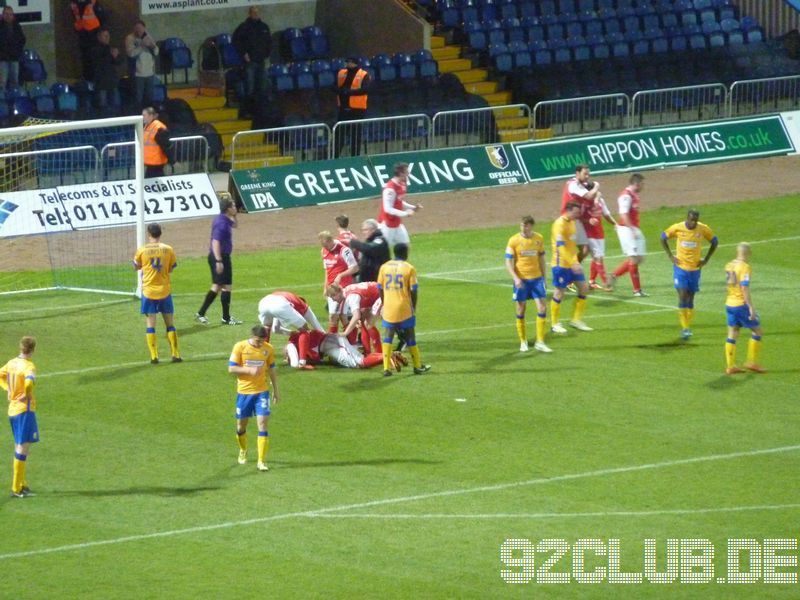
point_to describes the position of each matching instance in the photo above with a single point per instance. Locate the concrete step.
(233, 126)
(512, 122)
(446, 53)
(514, 135)
(498, 98)
(472, 75)
(196, 101)
(250, 149)
(453, 65)
(257, 163)
(212, 115)
(437, 41)
(481, 87)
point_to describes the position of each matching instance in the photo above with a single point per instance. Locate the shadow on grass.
(153, 490)
(374, 462)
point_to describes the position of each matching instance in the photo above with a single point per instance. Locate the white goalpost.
(72, 205)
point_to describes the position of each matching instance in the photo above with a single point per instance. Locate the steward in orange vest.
(351, 83)
(156, 139)
(86, 19)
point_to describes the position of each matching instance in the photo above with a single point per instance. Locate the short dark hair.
(528, 220)
(343, 221)
(139, 22)
(401, 251)
(401, 166)
(636, 178)
(581, 167)
(225, 204)
(154, 230)
(571, 205)
(259, 331)
(693, 212)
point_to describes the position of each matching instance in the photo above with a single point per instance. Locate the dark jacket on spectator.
(374, 252)
(12, 41)
(253, 38)
(106, 76)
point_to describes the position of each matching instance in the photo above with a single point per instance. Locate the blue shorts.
(249, 405)
(530, 290)
(686, 280)
(24, 428)
(407, 324)
(562, 277)
(151, 307)
(739, 316)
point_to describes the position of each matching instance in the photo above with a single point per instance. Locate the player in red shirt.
(363, 302)
(345, 235)
(340, 265)
(583, 191)
(283, 310)
(334, 347)
(630, 236)
(394, 207)
(597, 241)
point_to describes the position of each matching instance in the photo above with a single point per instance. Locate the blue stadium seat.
(644, 8)
(489, 10)
(601, 51)
(574, 29)
(575, 41)
(282, 81)
(562, 55)
(38, 91)
(45, 106)
(323, 73)
(303, 77)
(523, 60)
(735, 37)
(581, 53)
(747, 23)
(688, 17)
(406, 69)
(22, 106)
(701, 4)
(754, 35)
(660, 45)
(223, 38)
(709, 27)
(555, 32)
(620, 50)
(728, 25)
(697, 41)
(477, 40)
(496, 49)
(67, 103)
(669, 20)
(556, 44)
(508, 10)
(716, 40)
(543, 58)
(527, 10)
(594, 27)
(631, 24)
(728, 12)
(640, 48)
(678, 43)
(504, 62)
(708, 15)
(612, 26)
(535, 32)
(230, 56)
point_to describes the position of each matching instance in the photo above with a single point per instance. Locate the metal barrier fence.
(381, 135)
(678, 105)
(472, 126)
(280, 145)
(754, 96)
(189, 155)
(582, 115)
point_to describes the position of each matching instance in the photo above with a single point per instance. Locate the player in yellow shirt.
(251, 360)
(741, 312)
(156, 261)
(687, 262)
(18, 377)
(397, 281)
(525, 264)
(567, 269)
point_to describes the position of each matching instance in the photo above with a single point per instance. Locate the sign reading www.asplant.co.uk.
(653, 148)
(150, 7)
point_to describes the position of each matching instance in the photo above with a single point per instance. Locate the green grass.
(373, 480)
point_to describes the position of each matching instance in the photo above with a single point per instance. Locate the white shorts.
(395, 235)
(632, 241)
(277, 307)
(341, 351)
(597, 247)
(580, 234)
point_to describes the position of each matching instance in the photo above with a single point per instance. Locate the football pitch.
(411, 486)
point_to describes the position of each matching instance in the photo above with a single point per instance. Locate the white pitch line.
(502, 268)
(420, 334)
(401, 500)
(63, 307)
(556, 515)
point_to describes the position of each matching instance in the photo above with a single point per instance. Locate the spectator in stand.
(253, 40)
(374, 250)
(352, 83)
(87, 17)
(141, 48)
(156, 143)
(106, 78)
(12, 44)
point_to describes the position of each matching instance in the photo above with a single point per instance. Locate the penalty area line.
(403, 499)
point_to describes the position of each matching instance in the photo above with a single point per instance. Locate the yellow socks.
(753, 350)
(580, 308)
(18, 480)
(172, 337)
(263, 446)
(522, 333)
(152, 345)
(730, 352)
(541, 327)
(415, 359)
(387, 355)
(555, 311)
(241, 438)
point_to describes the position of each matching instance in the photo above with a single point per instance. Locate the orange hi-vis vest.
(87, 21)
(356, 102)
(153, 154)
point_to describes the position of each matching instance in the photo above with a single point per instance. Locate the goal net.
(71, 205)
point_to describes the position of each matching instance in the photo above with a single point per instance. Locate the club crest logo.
(497, 156)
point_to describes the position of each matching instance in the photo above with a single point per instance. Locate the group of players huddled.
(362, 284)
(578, 232)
